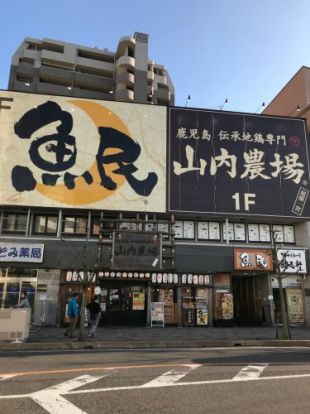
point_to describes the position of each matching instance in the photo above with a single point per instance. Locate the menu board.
(177, 228)
(203, 230)
(227, 306)
(278, 232)
(188, 229)
(138, 300)
(157, 314)
(230, 231)
(253, 232)
(202, 316)
(214, 230)
(264, 232)
(150, 227)
(289, 234)
(295, 306)
(164, 228)
(239, 229)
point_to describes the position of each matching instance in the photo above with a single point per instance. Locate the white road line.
(170, 377)
(250, 372)
(177, 384)
(51, 400)
(6, 376)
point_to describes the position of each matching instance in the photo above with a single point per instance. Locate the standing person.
(94, 315)
(24, 301)
(73, 314)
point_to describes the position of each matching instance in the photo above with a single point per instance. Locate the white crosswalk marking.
(170, 377)
(7, 376)
(250, 372)
(52, 401)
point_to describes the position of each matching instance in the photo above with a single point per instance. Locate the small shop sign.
(78, 276)
(21, 252)
(253, 259)
(292, 261)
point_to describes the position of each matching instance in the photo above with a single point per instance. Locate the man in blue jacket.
(73, 314)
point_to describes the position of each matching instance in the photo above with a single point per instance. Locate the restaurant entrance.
(123, 303)
(248, 292)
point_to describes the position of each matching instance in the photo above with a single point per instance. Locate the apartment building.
(59, 68)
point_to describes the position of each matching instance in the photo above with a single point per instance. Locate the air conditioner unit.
(14, 324)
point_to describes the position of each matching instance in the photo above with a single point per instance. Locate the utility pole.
(280, 275)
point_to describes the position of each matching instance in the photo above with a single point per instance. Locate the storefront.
(126, 298)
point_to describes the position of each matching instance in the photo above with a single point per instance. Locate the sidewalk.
(138, 338)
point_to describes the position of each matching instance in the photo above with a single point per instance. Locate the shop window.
(14, 223)
(45, 224)
(75, 225)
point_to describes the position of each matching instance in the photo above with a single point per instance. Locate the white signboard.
(157, 314)
(292, 261)
(70, 152)
(21, 252)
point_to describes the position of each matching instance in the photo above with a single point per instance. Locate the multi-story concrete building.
(60, 68)
(167, 205)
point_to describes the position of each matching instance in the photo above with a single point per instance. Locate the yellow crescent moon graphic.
(84, 193)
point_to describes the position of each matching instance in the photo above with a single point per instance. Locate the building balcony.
(95, 64)
(150, 75)
(125, 78)
(124, 95)
(125, 43)
(125, 62)
(56, 59)
(163, 95)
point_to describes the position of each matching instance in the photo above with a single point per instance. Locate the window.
(95, 226)
(14, 222)
(75, 225)
(45, 224)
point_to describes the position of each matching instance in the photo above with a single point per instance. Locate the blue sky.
(243, 50)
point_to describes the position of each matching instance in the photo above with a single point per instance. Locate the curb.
(84, 345)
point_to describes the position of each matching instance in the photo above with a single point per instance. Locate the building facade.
(169, 212)
(59, 68)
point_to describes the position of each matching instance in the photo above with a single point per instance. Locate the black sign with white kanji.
(234, 163)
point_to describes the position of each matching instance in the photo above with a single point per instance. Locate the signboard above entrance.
(234, 163)
(253, 260)
(134, 250)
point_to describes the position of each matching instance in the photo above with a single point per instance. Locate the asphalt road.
(217, 381)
